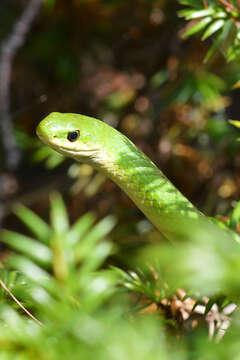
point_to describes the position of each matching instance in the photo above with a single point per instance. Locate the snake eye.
(73, 135)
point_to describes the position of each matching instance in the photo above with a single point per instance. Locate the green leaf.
(121, 273)
(235, 123)
(50, 156)
(210, 304)
(32, 271)
(192, 3)
(95, 258)
(97, 233)
(119, 99)
(220, 14)
(193, 14)
(225, 301)
(212, 48)
(38, 226)
(217, 25)
(159, 78)
(54, 160)
(235, 217)
(27, 246)
(58, 214)
(197, 27)
(226, 36)
(233, 53)
(12, 319)
(80, 228)
(42, 153)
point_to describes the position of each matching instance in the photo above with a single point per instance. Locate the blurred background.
(125, 62)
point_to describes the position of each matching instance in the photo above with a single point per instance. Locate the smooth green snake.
(94, 142)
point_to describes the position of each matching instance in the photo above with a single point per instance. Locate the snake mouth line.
(76, 153)
(65, 148)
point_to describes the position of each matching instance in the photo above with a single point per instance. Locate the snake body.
(94, 142)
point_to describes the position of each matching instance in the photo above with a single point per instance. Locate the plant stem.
(7, 53)
(228, 6)
(205, 4)
(2, 284)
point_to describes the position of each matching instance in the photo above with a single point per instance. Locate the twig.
(19, 304)
(228, 6)
(205, 4)
(7, 53)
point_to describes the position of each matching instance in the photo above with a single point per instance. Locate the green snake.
(92, 141)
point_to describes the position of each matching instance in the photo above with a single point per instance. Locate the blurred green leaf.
(27, 246)
(94, 259)
(212, 48)
(119, 99)
(58, 214)
(193, 3)
(38, 227)
(80, 228)
(52, 158)
(159, 78)
(235, 217)
(32, 271)
(235, 123)
(97, 233)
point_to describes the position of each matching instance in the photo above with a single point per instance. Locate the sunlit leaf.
(235, 123)
(236, 85)
(11, 317)
(197, 27)
(58, 214)
(214, 27)
(27, 246)
(193, 14)
(32, 271)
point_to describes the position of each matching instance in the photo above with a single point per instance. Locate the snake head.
(77, 136)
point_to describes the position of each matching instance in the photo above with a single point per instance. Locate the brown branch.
(205, 4)
(2, 284)
(7, 53)
(228, 6)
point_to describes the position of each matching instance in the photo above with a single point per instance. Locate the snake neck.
(166, 208)
(150, 190)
